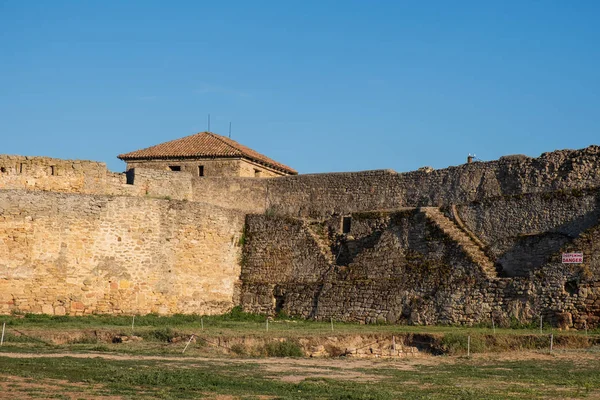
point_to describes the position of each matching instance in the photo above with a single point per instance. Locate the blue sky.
(318, 85)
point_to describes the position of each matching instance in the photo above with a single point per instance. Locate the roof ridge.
(220, 138)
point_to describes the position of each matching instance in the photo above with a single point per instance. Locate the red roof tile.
(203, 144)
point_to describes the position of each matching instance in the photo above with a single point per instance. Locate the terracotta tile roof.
(203, 144)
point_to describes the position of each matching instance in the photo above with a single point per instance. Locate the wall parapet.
(90, 177)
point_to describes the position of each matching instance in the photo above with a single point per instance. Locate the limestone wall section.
(79, 254)
(246, 194)
(161, 184)
(42, 173)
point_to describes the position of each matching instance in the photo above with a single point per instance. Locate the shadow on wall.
(346, 248)
(529, 252)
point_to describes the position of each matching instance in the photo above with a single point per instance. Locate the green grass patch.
(286, 348)
(460, 378)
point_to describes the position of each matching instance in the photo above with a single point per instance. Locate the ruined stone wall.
(282, 249)
(401, 267)
(42, 173)
(522, 231)
(88, 177)
(320, 195)
(75, 238)
(79, 254)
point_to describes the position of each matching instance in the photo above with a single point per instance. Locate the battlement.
(90, 177)
(51, 174)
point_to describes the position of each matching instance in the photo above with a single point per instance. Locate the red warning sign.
(572, 258)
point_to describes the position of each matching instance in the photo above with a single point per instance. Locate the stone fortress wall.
(454, 245)
(76, 239)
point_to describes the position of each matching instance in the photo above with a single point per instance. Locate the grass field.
(71, 358)
(236, 323)
(528, 376)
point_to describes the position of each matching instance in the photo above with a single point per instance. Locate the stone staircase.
(468, 245)
(321, 242)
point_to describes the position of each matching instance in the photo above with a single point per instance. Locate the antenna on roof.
(230, 130)
(208, 130)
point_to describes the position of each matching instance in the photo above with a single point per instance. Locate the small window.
(3, 170)
(200, 170)
(130, 176)
(257, 173)
(175, 167)
(21, 168)
(52, 170)
(346, 224)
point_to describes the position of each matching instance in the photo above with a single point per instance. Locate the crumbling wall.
(404, 268)
(410, 272)
(523, 231)
(320, 195)
(75, 238)
(80, 254)
(42, 173)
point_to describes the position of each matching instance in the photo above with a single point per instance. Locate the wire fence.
(433, 344)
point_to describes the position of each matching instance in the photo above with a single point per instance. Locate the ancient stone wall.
(75, 238)
(79, 254)
(402, 267)
(320, 195)
(161, 184)
(42, 173)
(88, 177)
(281, 249)
(246, 194)
(522, 231)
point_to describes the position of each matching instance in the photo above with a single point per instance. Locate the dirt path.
(342, 363)
(338, 362)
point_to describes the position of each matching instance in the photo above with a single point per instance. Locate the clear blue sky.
(318, 85)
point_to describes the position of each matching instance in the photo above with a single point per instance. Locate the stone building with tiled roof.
(206, 154)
